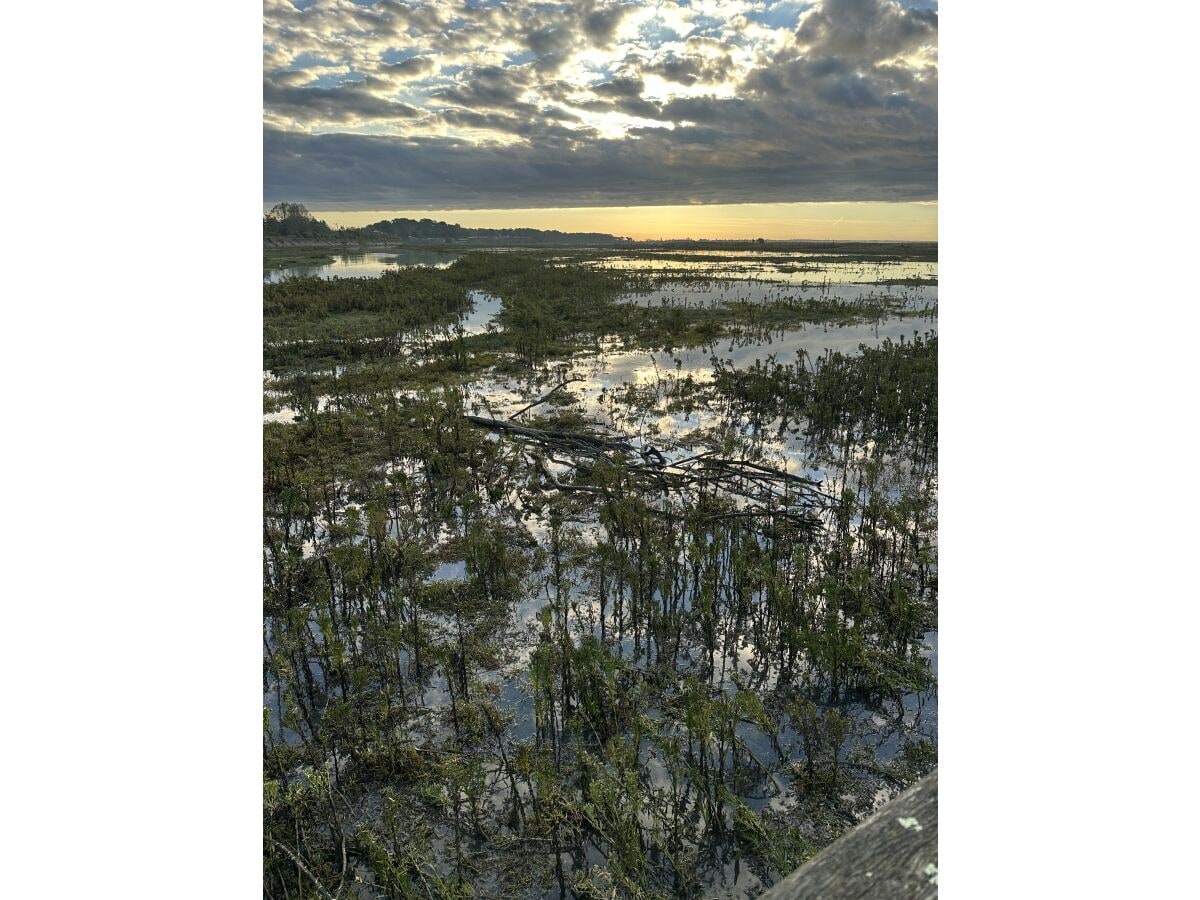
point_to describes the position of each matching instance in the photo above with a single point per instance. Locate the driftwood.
(579, 439)
(757, 491)
(891, 856)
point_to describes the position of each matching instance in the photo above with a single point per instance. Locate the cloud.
(691, 68)
(488, 87)
(621, 88)
(349, 103)
(866, 29)
(350, 171)
(413, 67)
(526, 103)
(601, 25)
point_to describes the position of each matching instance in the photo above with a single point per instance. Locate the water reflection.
(793, 268)
(506, 658)
(484, 309)
(363, 265)
(717, 292)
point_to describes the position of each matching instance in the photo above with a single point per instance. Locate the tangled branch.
(757, 490)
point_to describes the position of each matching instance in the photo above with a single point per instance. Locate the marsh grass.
(484, 681)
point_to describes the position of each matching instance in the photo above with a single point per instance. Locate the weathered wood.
(540, 434)
(749, 481)
(890, 856)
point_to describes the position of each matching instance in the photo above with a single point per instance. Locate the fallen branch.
(768, 493)
(321, 889)
(544, 397)
(553, 479)
(539, 434)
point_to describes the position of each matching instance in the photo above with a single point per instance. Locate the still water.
(363, 265)
(633, 394)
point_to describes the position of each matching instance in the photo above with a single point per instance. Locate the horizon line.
(845, 220)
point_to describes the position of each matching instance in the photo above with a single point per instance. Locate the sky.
(681, 118)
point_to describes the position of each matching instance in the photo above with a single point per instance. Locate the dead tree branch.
(542, 399)
(755, 491)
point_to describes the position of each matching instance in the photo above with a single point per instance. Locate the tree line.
(294, 220)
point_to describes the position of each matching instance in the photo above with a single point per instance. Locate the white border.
(133, 716)
(1067, 199)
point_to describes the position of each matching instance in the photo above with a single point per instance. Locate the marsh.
(503, 665)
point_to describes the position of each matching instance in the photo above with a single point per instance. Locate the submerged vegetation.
(530, 631)
(550, 309)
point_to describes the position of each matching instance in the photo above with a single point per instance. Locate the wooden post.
(890, 856)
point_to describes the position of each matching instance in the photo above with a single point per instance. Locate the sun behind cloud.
(494, 105)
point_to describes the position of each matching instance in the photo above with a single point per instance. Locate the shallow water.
(718, 292)
(808, 268)
(363, 265)
(630, 393)
(484, 309)
(603, 372)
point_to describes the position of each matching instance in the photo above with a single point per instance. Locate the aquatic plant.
(531, 655)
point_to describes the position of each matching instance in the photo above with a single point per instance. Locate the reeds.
(478, 680)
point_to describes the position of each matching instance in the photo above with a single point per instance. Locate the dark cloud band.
(346, 171)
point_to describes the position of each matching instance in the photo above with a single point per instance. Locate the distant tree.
(293, 220)
(432, 230)
(283, 211)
